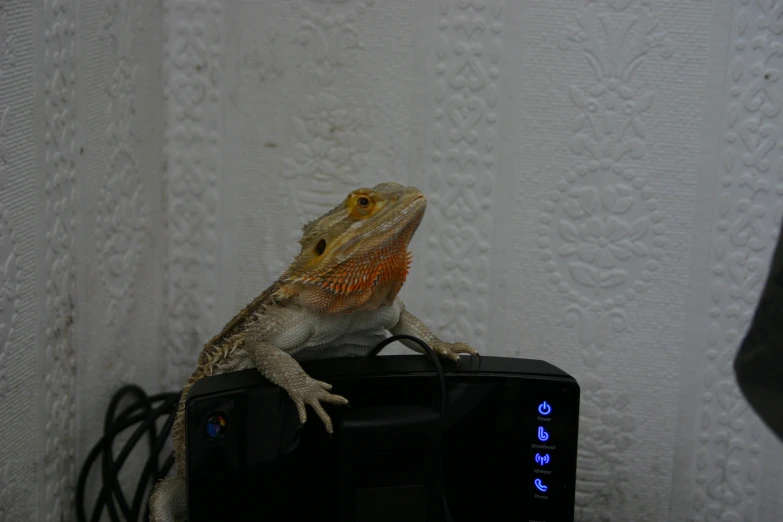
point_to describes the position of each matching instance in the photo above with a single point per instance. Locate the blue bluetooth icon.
(544, 408)
(543, 436)
(540, 485)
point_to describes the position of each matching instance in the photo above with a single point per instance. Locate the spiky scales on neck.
(355, 257)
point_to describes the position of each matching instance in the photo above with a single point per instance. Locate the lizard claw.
(312, 393)
(452, 350)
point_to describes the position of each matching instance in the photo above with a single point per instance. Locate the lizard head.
(356, 255)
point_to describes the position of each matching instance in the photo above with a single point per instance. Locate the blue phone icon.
(540, 485)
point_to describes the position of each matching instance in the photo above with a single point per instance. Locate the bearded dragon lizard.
(337, 298)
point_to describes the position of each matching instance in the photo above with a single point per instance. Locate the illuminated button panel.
(543, 459)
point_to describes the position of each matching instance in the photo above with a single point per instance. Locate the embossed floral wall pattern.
(7, 59)
(60, 192)
(603, 211)
(730, 451)
(601, 233)
(462, 175)
(10, 270)
(10, 267)
(192, 142)
(121, 222)
(8, 492)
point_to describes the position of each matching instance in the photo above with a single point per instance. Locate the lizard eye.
(320, 248)
(361, 205)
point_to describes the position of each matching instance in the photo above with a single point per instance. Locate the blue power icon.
(544, 408)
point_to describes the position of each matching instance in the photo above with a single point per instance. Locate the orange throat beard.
(359, 283)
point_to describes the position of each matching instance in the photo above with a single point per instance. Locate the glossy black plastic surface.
(264, 466)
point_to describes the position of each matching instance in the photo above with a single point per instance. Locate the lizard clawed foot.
(312, 393)
(452, 350)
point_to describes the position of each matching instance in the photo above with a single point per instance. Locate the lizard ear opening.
(320, 248)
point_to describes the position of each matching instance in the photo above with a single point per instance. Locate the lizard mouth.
(418, 206)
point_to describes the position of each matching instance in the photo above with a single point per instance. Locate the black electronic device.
(508, 444)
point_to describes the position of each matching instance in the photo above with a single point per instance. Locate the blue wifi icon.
(542, 460)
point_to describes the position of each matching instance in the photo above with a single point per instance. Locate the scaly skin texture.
(338, 298)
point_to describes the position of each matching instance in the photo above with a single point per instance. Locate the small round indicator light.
(216, 426)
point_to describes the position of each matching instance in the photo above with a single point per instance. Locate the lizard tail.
(168, 502)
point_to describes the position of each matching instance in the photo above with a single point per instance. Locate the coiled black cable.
(144, 413)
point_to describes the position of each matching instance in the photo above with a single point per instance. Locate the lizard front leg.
(409, 324)
(283, 370)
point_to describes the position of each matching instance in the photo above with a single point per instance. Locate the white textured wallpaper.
(81, 247)
(605, 185)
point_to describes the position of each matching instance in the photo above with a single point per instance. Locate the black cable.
(143, 411)
(113, 472)
(151, 469)
(107, 464)
(444, 401)
(92, 457)
(435, 360)
(147, 423)
(381, 345)
(112, 468)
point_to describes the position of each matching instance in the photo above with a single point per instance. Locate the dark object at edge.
(759, 362)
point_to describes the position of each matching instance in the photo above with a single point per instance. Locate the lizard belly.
(313, 335)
